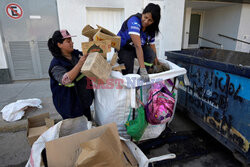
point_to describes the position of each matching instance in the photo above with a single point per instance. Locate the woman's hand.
(82, 59)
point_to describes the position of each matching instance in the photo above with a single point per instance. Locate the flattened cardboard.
(66, 150)
(131, 161)
(114, 59)
(96, 68)
(37, 125)
(119, 67)
(105, 150)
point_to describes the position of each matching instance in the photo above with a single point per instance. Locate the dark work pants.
(127, 54)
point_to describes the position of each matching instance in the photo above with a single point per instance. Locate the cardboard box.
(65, 151)
(37, 125)
(103, 34)
(102, 47)
(89, 31)
(96, 68)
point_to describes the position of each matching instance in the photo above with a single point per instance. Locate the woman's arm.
(72, 74)
(139, 53)
(156, 61)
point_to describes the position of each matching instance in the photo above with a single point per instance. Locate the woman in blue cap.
(138, 40)
(71, 96)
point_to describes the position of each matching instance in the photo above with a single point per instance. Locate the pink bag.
(160, 106)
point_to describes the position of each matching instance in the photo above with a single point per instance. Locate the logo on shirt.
(135, 28)
(136, 24)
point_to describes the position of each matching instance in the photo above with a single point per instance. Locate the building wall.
(224, 20)
(188, 11)
(3, 64)
(171, 25)
(72, 16)
(244, 29)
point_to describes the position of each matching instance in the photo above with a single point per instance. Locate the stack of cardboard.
(37, 125)
(96, 67)
(101, 34)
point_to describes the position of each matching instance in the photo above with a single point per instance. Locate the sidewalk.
(20, 90)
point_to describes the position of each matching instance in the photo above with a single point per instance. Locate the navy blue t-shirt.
(134, 27)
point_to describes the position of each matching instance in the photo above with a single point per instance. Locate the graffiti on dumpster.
(210, 92)
(229, 132)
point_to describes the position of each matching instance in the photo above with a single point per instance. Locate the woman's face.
(146, 20)
(66, 46)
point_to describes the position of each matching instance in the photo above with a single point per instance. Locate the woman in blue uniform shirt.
(138, 40)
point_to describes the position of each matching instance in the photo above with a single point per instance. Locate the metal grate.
(45, 57)
(22, 59)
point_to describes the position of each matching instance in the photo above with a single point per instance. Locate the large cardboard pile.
(99, 146)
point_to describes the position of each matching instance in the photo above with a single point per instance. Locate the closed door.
(109, 18)
(26, 27)
(194, 30)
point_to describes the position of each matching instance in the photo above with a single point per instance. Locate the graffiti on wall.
(213, 92)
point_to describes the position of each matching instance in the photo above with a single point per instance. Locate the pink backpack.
(160, 106)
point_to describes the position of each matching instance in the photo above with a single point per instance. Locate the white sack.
(15, 111)
(141, 158)
(62, 128)
(114, 104)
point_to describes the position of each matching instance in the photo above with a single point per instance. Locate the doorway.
(195, 29)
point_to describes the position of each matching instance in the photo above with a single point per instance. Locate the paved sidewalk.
(27, 89)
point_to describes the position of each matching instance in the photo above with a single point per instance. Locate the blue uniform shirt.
(133, 26)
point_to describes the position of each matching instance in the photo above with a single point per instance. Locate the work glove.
(144, 74)
(160, 68)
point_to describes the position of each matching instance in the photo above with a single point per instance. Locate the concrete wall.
(244, 29)
(3, 64)
(224, 20)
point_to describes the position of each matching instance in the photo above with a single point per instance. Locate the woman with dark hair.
(70, 95)
(138, 40)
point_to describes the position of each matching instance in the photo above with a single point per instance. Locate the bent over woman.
(138, 40)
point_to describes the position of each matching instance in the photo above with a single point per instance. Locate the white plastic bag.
(141, 158)
(15, 111)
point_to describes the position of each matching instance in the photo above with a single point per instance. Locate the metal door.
(26, 27)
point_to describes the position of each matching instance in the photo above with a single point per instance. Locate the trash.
(15, 111)
(37, 125)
